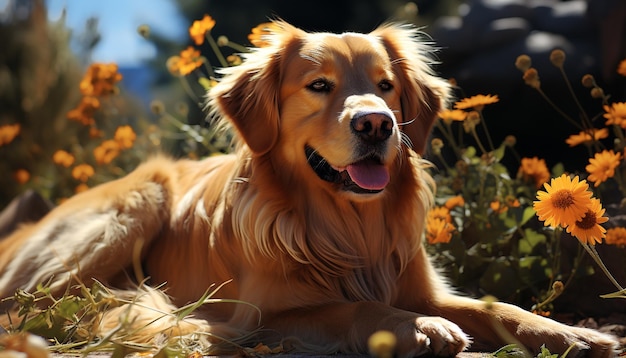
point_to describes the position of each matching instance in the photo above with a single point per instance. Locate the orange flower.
(8, 132)
(564, 202)
(83, 172)
(63, 158)
(616, 236)
(438, 231)
(616, 114)
(585, 137)
(85, 111)
(602, 166)
(186, 63)
(621, 68)
(497, 207)
(259, 34)
(454, 201)
(440, 212)
(21, 176)
(106, 152)
(125, 136)
(100, 80)
(81, 187)
(477, 102)
(200, 27)
(534, 170)
(588, 230)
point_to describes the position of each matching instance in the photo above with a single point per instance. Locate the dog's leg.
(92, 235)
(347, 326)
(492, 325)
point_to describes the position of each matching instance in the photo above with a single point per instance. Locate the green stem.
(217, 50)
(237, 47)
(482, 121)
(556, 108)
(571, 91)
(591, 250)
(478, 142)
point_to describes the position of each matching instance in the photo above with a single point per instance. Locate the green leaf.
(499, 152)
(205, 83)
(530, 240)
(545, 353)
(528, 214)
(509, 351)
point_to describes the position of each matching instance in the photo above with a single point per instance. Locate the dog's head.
(338, 108)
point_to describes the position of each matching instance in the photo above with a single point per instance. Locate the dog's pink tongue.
(368, 175)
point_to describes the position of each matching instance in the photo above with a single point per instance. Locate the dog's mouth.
(366, 176)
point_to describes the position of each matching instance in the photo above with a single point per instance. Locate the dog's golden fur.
(317, 217)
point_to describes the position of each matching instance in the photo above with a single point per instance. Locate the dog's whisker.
(407, 122)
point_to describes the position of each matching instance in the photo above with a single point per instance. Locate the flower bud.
(588, 81)
(557, 57)
(510, 141)
(157, 107)
(222, 41)
(597, 92)
(144, 31)
(436, 144)
(523, 63)
(531, 78)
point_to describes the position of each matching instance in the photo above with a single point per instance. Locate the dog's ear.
(248, 94)
(423, 93)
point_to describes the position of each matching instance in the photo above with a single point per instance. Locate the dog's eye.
(320, 85)
(385, 85)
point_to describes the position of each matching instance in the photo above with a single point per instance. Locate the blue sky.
(118, 21)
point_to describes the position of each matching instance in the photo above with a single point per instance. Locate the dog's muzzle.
(366, 176)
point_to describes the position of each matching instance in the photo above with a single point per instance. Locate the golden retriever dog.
(315, 221)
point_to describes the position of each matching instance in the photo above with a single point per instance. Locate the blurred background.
(46, 47)
(59, 135)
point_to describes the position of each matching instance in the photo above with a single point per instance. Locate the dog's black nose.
(372, 127)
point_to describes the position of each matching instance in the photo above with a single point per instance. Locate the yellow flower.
(616, 114)
(534, 170)
(21, 176)
(63, 158)
(616, 236)
(585, 137)
(454, 201)
(259, 34)
(125, 136)
(438, 231)
(83, 172)
(186, 63)
(477, 102)
(588, 230)
(200, 27)
(621, 69)
(449, 115)
(106, 152)
(8, 132)
(564, 202)
(602, 166)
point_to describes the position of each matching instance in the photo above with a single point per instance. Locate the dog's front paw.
(581, 342)
(430, 335)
